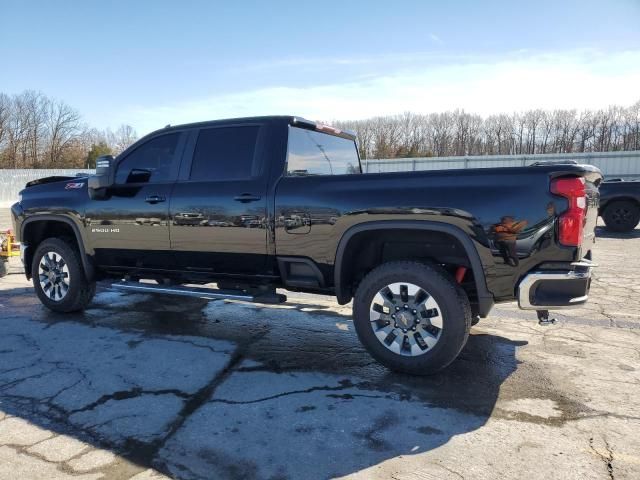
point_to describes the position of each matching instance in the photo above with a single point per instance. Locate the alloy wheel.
(406, 319)
(54, 277)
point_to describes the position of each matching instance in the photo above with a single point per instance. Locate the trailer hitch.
(543, 318)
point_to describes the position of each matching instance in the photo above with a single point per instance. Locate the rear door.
(219, 207)
(130, 228)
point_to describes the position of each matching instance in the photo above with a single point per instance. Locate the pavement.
(148, 387)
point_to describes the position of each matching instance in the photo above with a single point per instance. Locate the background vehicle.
(620, 204)
(286, 205)
(8, 248)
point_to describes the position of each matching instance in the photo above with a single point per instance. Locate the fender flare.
(485, 298)
(86, 264)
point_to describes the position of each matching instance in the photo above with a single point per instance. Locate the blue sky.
(153, 63)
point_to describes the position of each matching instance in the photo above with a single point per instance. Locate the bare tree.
(39, 132)
(531, 132)
(632, 124)
(63, 124)
(36, 131)
(119, 140)
(5, 111)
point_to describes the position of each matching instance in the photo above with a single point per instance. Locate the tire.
(621, 215)
(451, 306)
(4, 267)
(63, 260)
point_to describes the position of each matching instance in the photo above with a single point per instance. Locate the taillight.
(571, 222)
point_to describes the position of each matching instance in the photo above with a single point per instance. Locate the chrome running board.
(207, 293)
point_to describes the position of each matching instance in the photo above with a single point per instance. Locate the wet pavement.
(143, 387)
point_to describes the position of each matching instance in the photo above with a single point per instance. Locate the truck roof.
(286, 119)
(229, 121)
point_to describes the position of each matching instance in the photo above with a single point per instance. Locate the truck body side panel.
(485, 205)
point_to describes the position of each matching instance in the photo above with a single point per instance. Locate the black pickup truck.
(620, 204)
(256, 204)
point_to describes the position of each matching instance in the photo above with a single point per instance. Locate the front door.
(130, 228)
(219, 211)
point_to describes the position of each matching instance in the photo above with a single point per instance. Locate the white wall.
(12, 181)
(613, 164)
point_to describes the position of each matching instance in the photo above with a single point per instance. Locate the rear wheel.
(59, 278)
(621, 215)
(411, 317)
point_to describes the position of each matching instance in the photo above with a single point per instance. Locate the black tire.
(621, 215)
(80, 291)
(4, 267)
(454, 307)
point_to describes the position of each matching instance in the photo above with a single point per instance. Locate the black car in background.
(620, 204)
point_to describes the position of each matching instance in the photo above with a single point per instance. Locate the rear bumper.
(556, 289)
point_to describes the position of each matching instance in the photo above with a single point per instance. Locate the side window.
(225, 153)
(150, 162)
(316, 153)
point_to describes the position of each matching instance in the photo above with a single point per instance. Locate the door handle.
(246, 198)
(154, 199)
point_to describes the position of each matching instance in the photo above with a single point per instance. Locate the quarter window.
(315, 153)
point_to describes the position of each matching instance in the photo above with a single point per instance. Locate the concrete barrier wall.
(12, 181)
(613, 164)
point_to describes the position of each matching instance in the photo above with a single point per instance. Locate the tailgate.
(592, 181)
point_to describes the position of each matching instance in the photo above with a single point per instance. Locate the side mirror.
(104, 177)
(139, 175)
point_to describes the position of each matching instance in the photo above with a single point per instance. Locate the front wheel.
(621, 215)
(411, 317)
(59, 278)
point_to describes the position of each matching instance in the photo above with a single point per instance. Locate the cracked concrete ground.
(147, 388)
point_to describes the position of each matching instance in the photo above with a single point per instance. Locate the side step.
(208, 293)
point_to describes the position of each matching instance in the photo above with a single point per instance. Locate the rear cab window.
(311, 152)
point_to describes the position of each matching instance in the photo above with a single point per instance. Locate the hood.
(56, 178)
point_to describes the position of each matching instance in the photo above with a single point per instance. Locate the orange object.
(8, 245)
(460, 273)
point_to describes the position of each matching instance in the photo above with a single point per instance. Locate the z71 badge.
(72, 185)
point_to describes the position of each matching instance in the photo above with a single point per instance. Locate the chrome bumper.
(553, 290)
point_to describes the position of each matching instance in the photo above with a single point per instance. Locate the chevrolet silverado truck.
(620, 204)
(256, 204)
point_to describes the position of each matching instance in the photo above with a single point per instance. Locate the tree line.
(458, 132)
(40, 132)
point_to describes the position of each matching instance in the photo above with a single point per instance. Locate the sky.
(153, 63)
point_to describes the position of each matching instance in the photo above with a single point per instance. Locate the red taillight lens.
(571, 222)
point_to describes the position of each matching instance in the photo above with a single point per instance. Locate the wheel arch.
(342, 285)
(622, 198)
(34, 230)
